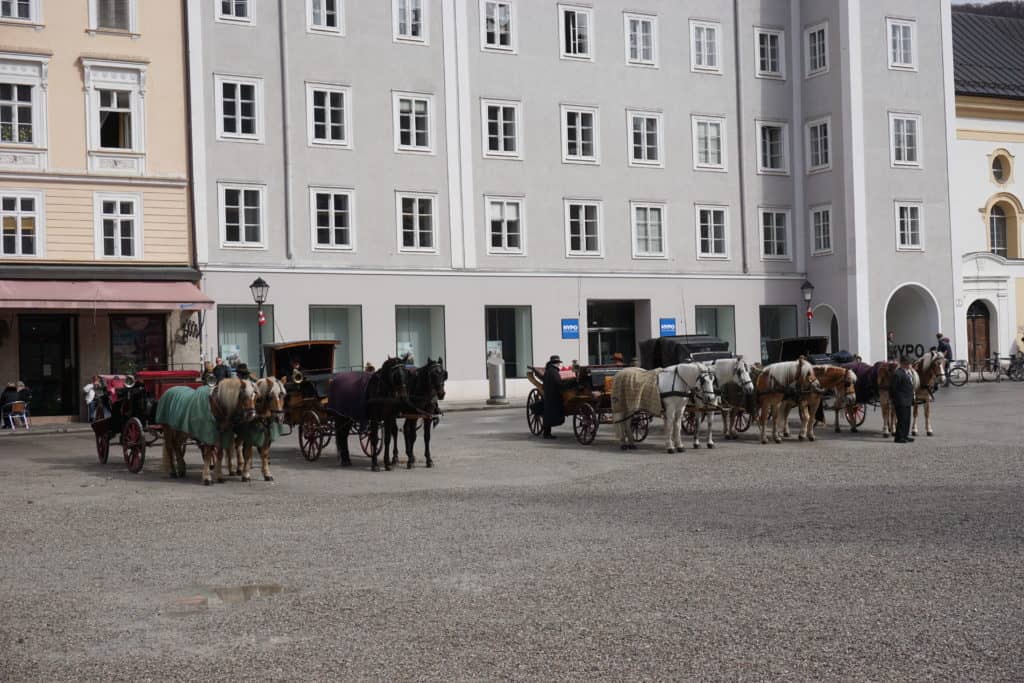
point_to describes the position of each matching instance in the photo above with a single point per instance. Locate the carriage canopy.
(316, 357)
(814, 349)
(663, 352)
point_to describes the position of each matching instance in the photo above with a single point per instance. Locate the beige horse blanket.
(635, 389)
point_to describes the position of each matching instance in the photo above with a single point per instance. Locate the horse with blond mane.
(931, 367)
(793, 380)
(259, 433)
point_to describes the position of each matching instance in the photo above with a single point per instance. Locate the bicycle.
(958, 374)
(993, 370)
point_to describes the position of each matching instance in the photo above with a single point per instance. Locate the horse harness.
(694, 392)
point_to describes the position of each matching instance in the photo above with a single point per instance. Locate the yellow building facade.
(97, 274)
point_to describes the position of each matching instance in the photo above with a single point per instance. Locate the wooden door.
(978, 348)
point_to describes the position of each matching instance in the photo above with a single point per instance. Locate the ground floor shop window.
(718, 321)
(510, 331)
(611, 329)
(419, 331)
(345, 324)
(238, 334)
(137, 342)
(777, 322)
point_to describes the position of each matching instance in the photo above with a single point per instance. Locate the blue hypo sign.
(667, 327)
(570, 328)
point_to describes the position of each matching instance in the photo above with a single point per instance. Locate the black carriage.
(586, 395)
(306, 387)
(129, 403)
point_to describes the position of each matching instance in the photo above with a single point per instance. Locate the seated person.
(9, 396)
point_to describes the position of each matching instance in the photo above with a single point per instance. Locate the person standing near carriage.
(554, 413)
(891, 352)
(220, 371)
(901, 391)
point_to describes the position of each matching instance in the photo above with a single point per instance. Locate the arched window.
(997, 231)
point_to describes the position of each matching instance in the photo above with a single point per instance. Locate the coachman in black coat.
(554, 412)
(901, 391)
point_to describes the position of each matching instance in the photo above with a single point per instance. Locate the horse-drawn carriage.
(130, 404)
(586, 396)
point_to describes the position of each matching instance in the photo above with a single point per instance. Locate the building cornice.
(87, 179)
(996, 108)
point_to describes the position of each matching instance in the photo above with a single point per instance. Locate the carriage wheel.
(640, 424)
(370, 440)
(689, 422)
(133, 443)
(103, 447)
(309, 436)
(584, 424)
(534, 420)
(856, 415)
(326, 433)
(741, 420)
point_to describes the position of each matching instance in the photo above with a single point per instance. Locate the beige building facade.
(97, 269)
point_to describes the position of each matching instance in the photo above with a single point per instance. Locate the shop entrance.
(612, 328)
(48, 363)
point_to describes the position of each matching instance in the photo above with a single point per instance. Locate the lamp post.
(807, 289)
(259, 290)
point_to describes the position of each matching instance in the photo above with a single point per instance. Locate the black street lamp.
(259, 290)
(807, 289)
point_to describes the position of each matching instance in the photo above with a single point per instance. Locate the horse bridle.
(262, 400)
(737, 372)
(697, 391)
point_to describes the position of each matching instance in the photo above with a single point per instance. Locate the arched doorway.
(826, 324)
(979, 322)
(912, 314)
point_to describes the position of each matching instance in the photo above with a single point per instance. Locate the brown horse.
(885, 371)
(842, 383)
(931, 367)
(260, 433)
(778, 382)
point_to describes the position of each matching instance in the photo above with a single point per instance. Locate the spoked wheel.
(1016, 373)
(103, 447)
(534, 420)
(990, 373)
(741, 420)
(958, 376)
(689, 422)
(584, 424)
(133, 443)
(326, 433)
(640, 425)
(370, 440)
(856, 415)
(309, 436)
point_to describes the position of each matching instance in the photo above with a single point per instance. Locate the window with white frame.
(331, 211)
(118, 226)
(905, 139)
(115, 116)
(413, 125)
(239, 108)
(711, 232)
(416, 222)
(648, 222)
(704, 46)
(501, 128)
(112, 15)
(498, 25)
(908, 226)
(645, 138)
(819, 145)
(325, 16)
(902, 43)
(23, 110)
(771, 53)
(773, 147)
(575, 24)
(19, 10)
(410, 17)
(641, 39)
(708, 143)
(234, 10)
(505, 225)
(821, 229)
(583, 228)
(16, 117)
(116, 110)
(579, 134)
(816, 49)
(329, 116)
(774, 234)
(241, 215)
(21, 223)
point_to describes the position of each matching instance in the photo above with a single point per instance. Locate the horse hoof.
(408, 465)
(913, 433)
(376, 468)
(268, 478)
(344, 462)
(931, 433)
(778, 440)
(710, 446)
(429, 464)
(801, 437)
(670, 450)
(246, 480)
(811, 438)
(764, 442)
(206, 482)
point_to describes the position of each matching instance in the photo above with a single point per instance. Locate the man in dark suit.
(901, 391)
(554, 414)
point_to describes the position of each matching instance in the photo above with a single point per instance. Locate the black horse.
(426, 388)
(373, 401)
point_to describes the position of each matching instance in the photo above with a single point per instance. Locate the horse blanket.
(254, 434)
(634, 390)
(867, 381)
(188, 410)
(347, 396)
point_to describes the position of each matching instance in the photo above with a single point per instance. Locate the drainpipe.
(287, 128)
(740, 125)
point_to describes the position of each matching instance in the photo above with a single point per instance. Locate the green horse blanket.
(188, 410)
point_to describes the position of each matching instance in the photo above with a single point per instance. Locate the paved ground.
(850, 558)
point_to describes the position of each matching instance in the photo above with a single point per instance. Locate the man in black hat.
(554, 415)
(901, 391)
(242, 371)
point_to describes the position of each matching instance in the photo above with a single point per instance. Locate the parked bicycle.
(958, 374)
(993, 369)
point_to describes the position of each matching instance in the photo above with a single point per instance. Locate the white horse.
(687, 384)
(731, 372)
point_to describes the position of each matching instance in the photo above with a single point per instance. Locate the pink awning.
(102, 295)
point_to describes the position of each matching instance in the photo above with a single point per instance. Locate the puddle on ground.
(203, 598)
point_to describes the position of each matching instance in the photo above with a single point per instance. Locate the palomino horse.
(260, 432)
(935, 367)
(426, 388)
(207, 415)
(931, 367)
(778, 382)
(374, 401)
(839, 381)
(732, 377)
